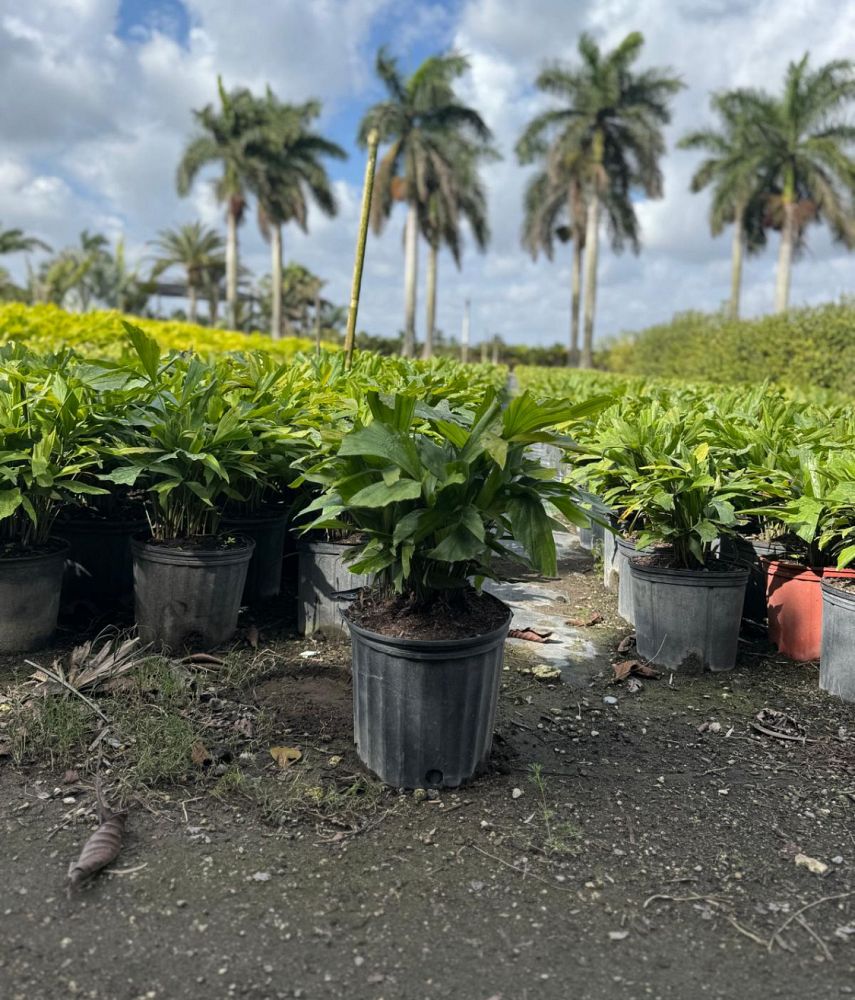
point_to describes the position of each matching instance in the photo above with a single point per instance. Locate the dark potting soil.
(127, 512)
(15, 550)
(204, 543)
(841, 583)
(663, 559)
(449, 616)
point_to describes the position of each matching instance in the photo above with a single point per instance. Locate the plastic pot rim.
(691, 577)
(433, 648)
(61, 551)
(173, 556)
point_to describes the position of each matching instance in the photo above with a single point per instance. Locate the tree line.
(772, 163)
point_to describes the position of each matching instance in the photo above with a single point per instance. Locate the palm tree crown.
(196, 248)
(16, 241)
(417, 119)
(609, 124)
(802, 145)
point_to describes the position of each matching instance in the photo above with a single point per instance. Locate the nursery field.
(174, 667)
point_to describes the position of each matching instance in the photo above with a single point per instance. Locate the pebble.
(516, 793)
(838, 860)
(610, 700)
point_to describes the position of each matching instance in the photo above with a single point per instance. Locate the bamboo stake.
(367, 188)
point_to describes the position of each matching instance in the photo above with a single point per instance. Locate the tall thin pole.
(367, 189)
(464, 334)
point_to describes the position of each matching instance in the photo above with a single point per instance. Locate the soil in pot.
(794, 603)
(187, 594)
(424, 707)
(267, 529)
(30, 584)
(687, 619)
(837, 655)
(100, 567)
(326, 587)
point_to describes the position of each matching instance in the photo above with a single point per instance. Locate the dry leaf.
(531, 634)
(335, 760)
(594, 619)
(634, 685)
(244, 726)
(625, 645)
(204, 658)
(99, 850)
(252, 636)
(544, 672)
(70, 778)
(812, 865)
(199, 754)
(624, 668)
(285, 756)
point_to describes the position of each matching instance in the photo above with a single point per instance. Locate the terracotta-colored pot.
(794, 603)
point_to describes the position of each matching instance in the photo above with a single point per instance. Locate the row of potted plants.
(728, 504)
(173, 477)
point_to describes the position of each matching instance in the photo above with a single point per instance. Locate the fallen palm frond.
(102, 847)
(98, 663)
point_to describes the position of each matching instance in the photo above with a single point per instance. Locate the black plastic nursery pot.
(748, 552)
(625, 551)
(586, 538)
(687, 618)
(188, 599)
(837, 657)
(100, 567)
(268, 531)
(424, 710)
(29, 598)
(326, 587)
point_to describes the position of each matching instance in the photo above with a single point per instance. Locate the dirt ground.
(615, 849)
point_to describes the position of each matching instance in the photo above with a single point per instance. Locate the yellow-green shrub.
(47, 328)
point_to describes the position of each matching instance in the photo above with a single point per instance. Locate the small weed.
(56, 727)
(559, 837)
(159, 744)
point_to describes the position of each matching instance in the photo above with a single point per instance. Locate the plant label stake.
(367, 189)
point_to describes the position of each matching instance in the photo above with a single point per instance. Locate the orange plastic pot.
(794, 605)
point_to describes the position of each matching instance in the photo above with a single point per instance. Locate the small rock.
(516, 793)
(419, 794)
(433, 794)
(618, 935)
(261, 877)
(610, 700)
(69, 800)
(812, 864)
(476, 886)
(838, 860)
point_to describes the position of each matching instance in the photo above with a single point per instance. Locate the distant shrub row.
(803, 348)
(48, 328)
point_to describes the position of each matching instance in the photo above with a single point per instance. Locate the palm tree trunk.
(411, 260)
(592, 236)
(737, 253)
(433, 258)
(231, 267)
(214, 304)
(785, 257)
(276, 281)
(575, 295)
(191, 302)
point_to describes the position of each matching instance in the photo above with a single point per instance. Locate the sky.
(98, 99)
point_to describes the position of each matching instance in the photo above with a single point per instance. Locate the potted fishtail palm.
(189, 446)
(435, 495)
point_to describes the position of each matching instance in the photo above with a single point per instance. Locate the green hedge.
(803, 348)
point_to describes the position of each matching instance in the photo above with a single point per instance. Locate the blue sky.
(103, 98)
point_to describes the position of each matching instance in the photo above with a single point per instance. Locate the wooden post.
(367, 188)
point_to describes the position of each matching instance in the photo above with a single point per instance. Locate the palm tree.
(732, 169)
(416, 119)
(196, 248)
(802, 143)
(458, 197)
(611, 117)
(16, 241)
(286, 175)
(230, 135)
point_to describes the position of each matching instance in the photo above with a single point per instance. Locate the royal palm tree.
(459, 197)
(415, 120)
(803, 143)
(287, 176)
(732, 170)
(197, 249)
(611, 116)
(16, 241)
(230, 135)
